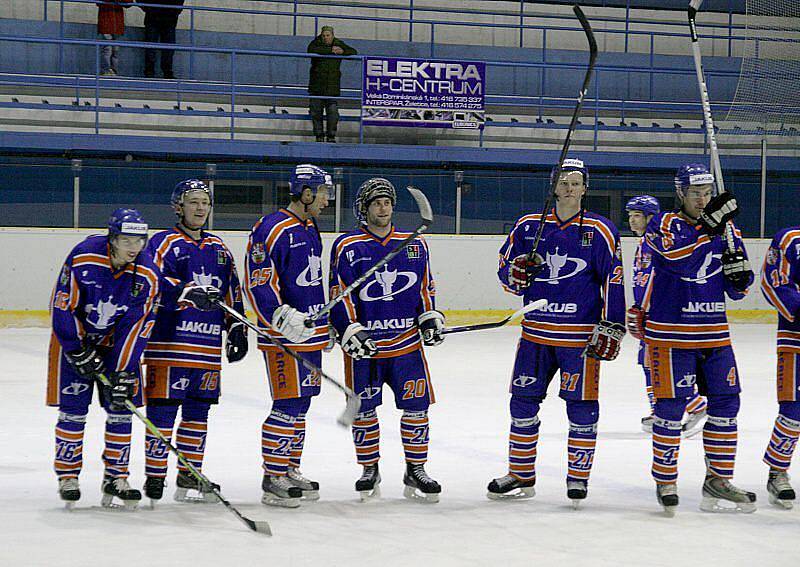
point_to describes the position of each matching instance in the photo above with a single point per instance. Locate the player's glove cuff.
(236, 342)
(86, 362)
(636, 318)
(606, 341)
(290, 322)
(202, 297)
(431, 325)
(716, 214)
(736, 269)
(357, 343)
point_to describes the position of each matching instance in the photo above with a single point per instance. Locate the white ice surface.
(619, 524)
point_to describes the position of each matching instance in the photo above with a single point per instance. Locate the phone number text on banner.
(423, 92)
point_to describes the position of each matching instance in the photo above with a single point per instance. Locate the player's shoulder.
(599, 221)
(215, 240)
(787, 236)
(527, 219)
(349, 240)
(666, 221)
(92, 245)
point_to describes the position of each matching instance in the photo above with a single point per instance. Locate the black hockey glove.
(431, 325)
(236, 343)
(202, 297)
(356, 342)
(86, 362)
(605, 341)
(736, 268)
(718, 212)
(121, 389)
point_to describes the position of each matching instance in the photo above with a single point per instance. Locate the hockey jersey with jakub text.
(780, 284)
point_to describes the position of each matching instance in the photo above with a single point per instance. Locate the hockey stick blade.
(425, 213)
(261, 527)
(352, 403)
(539, 303)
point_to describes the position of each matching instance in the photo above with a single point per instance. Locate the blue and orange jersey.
(780, 284)
(185, 336)
(94, 304)
(388, 303)
(284, 266)
(582, 279)
(641, 273)
(685, 295)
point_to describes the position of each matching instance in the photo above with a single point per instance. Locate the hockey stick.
(694, 6)
(427, 220)
(483, 326)
(352, 403)
(260, 526)
(587, 29)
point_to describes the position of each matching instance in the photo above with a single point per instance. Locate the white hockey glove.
(606, 340)
(290, 322)
(202, 297)
(356, 342)
(431, 325)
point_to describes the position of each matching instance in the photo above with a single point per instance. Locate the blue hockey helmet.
(692, 174)
(189, 186)
(572, 164)
(128, 222)
(645, 204)
(313, 177)
(370, 190)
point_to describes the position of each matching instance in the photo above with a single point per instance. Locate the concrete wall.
(464, 267)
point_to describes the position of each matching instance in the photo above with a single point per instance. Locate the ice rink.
(619, 524)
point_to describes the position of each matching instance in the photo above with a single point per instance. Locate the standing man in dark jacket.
(159, 27)
(324, 81)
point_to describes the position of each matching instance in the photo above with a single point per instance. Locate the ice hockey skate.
(693, 424)
(154, 489)
(120, 489)
(369, 485)
(310, 488)
(69, 491)
(667, 495)
(419, 486)
(279, 491)
(577, 491)
(717, 489)
(189, 489)
(510, 487)
(647, 424)
(780, 492)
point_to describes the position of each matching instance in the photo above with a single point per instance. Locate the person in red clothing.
(110, 26)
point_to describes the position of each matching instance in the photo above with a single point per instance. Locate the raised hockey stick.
(493, 325)
(587, 29)
(425, 213)
(259, 526)
(352, 403)
(694, 6)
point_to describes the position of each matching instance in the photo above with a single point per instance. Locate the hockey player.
(101, 315)
(283, 272)
(183, 356)
(685, 328)
(640, 210)
(383, 325)
(578, 269)
(780, 283)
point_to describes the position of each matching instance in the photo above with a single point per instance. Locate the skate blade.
(196, 497)
(367, 495)
(669, 511)
(69, 505)
(647, 428)
(413, 494)
(127, 505)
(517, 494)
(716, 506)
(153, 502)
(272, 500)
(576, 503)
(310, 495)
(785, 504)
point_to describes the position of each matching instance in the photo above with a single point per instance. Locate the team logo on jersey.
(703, 272)
(561, 262)
(137, 289)
(312, 275)
(412, 251)
(388, 280)
(647, 259)
(257, 253)
(772, 256)
(222, 258)
(181, 384)
(587, 238)
(369, 393)
(524, 380)
(618, 252)
(64, 275)
(206, 279)
(100, 316)
(687, 381)
(75, 388)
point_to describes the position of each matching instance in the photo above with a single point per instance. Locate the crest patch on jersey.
(618, 252)
(772, 256)
(413, 252)
(647, 259)
(222, 258)
(64, 275)
(257, 253)
(137, 289)
(587, 239)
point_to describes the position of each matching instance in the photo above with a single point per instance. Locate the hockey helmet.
(645, 204)
(572, 164)
(313, 177)
(370, 190)
(692, 174)
(189, 186)
(128, 222)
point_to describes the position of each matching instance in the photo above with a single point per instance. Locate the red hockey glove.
(636, 318)
(523, 270)
(606, 340)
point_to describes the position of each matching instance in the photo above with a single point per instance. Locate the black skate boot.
(510, 487)
(780, 491)
(368, 486)
(117, 487)
(154, 489)
(69, 491)
(279, 491)
(667, 496)
(419, 486)
(716, 489)
(309, 487)
(577, 491)
(185, 482)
